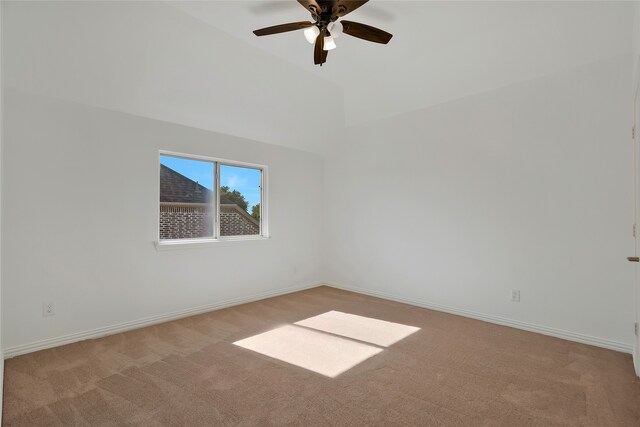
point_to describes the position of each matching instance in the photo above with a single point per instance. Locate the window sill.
(199, 243)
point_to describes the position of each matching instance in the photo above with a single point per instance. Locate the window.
(205, 199)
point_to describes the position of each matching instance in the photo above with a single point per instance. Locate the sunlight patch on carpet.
(330, 343)
(374, 331)
(313, 350)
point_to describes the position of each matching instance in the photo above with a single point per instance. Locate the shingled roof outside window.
(177, 188)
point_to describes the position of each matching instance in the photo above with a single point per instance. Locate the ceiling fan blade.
(312, 6)
(342, 7)
(319, 54)
(365, 32)
(283, 28)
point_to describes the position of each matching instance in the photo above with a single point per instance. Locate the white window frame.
(217, 239)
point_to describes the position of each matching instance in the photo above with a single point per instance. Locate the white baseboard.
(147, 321)
(636, 361)
(152, 320)
(558, 333)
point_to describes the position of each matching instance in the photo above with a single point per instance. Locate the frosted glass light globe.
(335, 29)
(311, 33)
(329, 44)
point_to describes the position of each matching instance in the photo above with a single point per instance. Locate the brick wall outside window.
(235, 223)
(190, 221)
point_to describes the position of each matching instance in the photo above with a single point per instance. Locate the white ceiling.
(440, 50)
(152, 60)
(199, 64)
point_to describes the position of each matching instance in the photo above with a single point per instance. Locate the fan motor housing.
(325, 15)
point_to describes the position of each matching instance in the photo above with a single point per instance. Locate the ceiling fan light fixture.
(327, 22)
(329, 44)
(311, 33)
(335, 29)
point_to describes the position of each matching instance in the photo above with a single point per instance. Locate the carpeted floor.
(452, 371)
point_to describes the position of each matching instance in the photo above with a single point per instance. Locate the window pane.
(186, 198)
(239, 201)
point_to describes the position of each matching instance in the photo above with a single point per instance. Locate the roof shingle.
(177, 188)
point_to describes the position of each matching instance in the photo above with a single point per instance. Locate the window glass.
(240, 200)
(187, 202)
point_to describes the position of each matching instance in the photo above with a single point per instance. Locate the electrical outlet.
(295, 269)
(515, 295)
(48, 309)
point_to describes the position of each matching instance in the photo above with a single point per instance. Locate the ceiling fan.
(327, 25)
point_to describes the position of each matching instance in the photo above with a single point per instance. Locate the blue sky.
(245, 180)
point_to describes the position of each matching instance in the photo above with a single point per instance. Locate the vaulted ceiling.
(441, 50)
(199, 64)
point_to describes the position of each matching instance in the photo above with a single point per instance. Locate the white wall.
(80, 203)
(526, 187)
(636, 38)
(1, 145)
(152, 60)
(523, 187)
(635, 59)
(80, 189)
